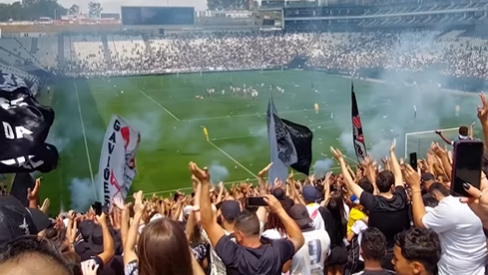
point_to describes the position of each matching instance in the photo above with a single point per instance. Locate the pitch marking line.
(233, 159)
(159, 104)
(243, 115)
(86, 141)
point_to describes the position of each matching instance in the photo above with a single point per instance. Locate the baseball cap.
(426, 177)
(16, 220)
(299, 214)
(310, 193)
(230, 210)
(354, 199)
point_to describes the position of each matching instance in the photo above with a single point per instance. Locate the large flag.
(290, 145)
(357, 129)
(26, 125)
(117, 161)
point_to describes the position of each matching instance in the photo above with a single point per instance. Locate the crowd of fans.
(449, 53)
(452, 53)
(369, 219)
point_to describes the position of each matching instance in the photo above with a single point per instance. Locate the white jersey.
(310, 259)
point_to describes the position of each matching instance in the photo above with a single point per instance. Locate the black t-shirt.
(375, 272)
(390, 216)
(268, 259)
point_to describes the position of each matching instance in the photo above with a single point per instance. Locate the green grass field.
(170, 119)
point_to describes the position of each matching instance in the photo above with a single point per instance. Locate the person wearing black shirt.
(373, 249)
(248, 254)
(388, 211)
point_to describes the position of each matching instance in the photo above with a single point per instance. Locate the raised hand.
(393, 145)
(33, 193)
(89, 267)
(337, 154)
(102, 219)
(265, 170)
(274, 205)
(45, 205)
(118, 202)
(201, 174)
(483, 109)
(478, 202)
(139, 205)
(411, 177)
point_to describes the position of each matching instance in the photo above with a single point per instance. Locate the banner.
(25, 124)
(357, 129)
(290, 145)
(117, 160)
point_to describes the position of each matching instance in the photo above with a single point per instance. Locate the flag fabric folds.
(26, 125)
(357, 129)
(117, 167)
(290, 145)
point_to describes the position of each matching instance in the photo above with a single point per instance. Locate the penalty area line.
(233, 159)
(159, 104)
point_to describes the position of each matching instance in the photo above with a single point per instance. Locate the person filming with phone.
(460, 231)
(249, 254)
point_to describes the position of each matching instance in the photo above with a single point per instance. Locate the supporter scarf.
(357, 129)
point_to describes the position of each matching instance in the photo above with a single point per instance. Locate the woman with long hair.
(162, 247)
(334, 215)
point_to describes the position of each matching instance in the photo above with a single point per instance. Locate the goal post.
(419, 142)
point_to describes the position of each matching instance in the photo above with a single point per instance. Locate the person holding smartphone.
(249, 254)
(460, 231)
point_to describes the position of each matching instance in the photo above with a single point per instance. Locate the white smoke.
(82, 194)
(217, 172)
(321, 167)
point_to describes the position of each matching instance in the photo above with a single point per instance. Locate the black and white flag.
(290, 145)
(25, 124)
(357, 129)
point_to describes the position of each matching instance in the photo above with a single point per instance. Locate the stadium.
(174, 71)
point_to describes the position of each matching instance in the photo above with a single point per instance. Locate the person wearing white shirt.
(310, 196)
(310, 258)
(460, 231)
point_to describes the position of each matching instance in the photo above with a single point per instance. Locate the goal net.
(419, 142)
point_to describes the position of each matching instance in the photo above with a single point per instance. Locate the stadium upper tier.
(450, 53)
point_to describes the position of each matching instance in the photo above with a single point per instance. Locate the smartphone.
(466, 165)
(97, 207)
(256, 201)
(413, 160)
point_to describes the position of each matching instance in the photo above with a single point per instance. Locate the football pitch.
(170, 118)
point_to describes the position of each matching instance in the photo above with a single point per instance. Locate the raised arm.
(483, 117)
(350, 184)
(446, 140)
(208, 219)
(129, 246)
(292, 230)
(395, 166)
(108, 241)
